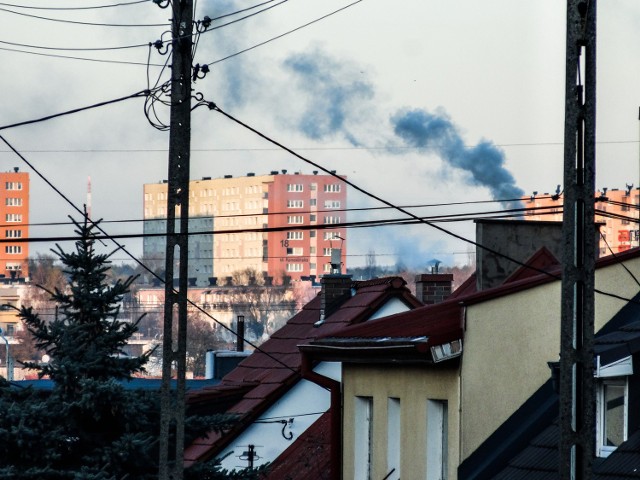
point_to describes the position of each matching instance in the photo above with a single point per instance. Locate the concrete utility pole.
(174, 348)
(577, 386)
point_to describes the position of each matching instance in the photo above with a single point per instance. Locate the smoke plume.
(438, 134)
(337, 94)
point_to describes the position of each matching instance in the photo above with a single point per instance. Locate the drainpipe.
(335, 412)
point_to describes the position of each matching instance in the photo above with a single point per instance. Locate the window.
(313, 187)
(295, 218)
(294, 267)
(363, 419)
(331, 220)
(611, 420)
(437, 439)
(295, 235)
(294, 187)
(313, 202)
(13, 233)
(312, 234)
(312, 218)
(330, 235)
(13, 217)
(312, 250)
(312, 266)
(11, 329)
(295, 204)
(13, 202)
(332, 204)
(13, 185)
(332, 187)
(326, 252)
(13, 249)
(326, 268)
(393, 437)
(295, 251)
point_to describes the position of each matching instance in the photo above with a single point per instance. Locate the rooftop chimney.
(433, 287)
(240, 334)
(336, 288)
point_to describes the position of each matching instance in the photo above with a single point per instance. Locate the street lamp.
(9, 361)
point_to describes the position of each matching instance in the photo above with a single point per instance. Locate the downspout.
(335, 413)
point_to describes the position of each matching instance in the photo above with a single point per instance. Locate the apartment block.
(282, 224)
(14, 202)
(617, 212)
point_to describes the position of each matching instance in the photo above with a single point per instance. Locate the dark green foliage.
(89, 427)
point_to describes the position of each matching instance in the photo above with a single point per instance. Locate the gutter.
(335, 413)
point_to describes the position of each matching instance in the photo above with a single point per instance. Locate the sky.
(420, 102)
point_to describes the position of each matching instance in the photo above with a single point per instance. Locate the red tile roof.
(270, 371)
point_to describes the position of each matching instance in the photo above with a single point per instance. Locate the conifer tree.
(89, 427)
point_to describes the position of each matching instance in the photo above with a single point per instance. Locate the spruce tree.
(89, 427)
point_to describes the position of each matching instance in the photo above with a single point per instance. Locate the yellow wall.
(413, 385)
(508, 342)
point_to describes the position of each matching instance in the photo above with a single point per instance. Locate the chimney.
(335, 290)
(240, 334)
(517, 239)
(433, 287)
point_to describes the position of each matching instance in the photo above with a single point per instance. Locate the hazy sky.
(418, 101)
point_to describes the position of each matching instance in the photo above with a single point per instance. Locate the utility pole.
(175, 302)
(577, 386)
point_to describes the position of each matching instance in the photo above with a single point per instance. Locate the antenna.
(89, 196)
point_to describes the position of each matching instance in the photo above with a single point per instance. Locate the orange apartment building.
(617, 211)
(279, 224)
(14, 201)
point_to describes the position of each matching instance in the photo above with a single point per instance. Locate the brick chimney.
(433, 287)
(336, 288)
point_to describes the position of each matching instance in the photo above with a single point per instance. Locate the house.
(288, 410)
(526, 445)
(426, 391)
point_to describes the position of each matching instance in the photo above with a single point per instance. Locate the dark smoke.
(335, 93)
(437, 134)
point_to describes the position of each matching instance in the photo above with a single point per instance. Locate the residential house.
(423, 391)
(288, 410)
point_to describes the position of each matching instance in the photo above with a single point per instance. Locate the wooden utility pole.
(175, 302)
(577, 386)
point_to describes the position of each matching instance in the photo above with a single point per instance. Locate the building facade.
(281, 223)
(616, 210)
(14, 202)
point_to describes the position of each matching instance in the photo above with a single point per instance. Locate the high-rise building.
(616, 212)
(279, 224)
(14, 202)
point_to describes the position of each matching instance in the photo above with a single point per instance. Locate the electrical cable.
(74, 49)
(75, 22)
(124, 249)
(284, 228)
(214, 107)
(142, 93)
(95, 7)
(68, 57)
(283, 34)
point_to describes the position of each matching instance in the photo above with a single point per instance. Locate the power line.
(277, 37)
(68, 57)
(416, 219)
(95, 7)
(142, 93)
(75, 22)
